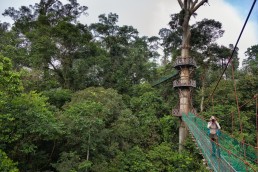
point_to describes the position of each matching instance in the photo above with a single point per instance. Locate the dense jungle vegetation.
(77, 97)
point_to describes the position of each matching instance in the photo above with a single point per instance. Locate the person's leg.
(213, 145)
(217, 146)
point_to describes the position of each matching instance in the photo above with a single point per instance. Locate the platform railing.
(184, 62)
(179, 83)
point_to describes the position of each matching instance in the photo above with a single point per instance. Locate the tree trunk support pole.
(188, 9)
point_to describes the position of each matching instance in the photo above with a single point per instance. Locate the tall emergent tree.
(188, 8)
(53, 37)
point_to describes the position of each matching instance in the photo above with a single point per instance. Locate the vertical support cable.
(232, 123)
(237, 104)
(242, 30)
(212, 104)
(256, 107)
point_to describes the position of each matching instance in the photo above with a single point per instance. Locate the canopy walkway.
(231, 155)
(165, 78)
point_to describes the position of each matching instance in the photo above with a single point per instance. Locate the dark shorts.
(213, 137)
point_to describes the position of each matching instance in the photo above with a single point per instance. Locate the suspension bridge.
(231, 155)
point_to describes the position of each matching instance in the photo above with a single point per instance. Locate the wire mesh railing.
(227, 154)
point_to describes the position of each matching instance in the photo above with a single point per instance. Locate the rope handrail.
(225, 133)
(205, 145)
(240, 107)
(196, 124)
(231, 56)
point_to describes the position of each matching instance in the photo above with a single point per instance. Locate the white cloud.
(232, 22)
(149, 16)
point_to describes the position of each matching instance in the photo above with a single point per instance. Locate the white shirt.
(213, 126)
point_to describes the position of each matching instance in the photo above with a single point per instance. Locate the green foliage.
(124, 47)
(58, 97)
(159, 158)
(132, 160)
(33, 115)
(6, 164)
(97, 124)
(10, 86)
(84, 122)
(10, 46)
(147, 107)
(205, 32)
(82, 101)
(88, 71)
(165, 159)
(32, 80)
(49, 28)
(224, 106)
(250, 64)
(32, 124)
(10, 81)
(136, 160)
(71, 162)
(169, 129)
(108, 97)
(247, 85)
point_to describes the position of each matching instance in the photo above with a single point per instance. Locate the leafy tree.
(85, 122)
(209, 56)
(247, 86)
(250, 64)
(11, 46)
(58, 97)
(10, 87)
(171, 38)
(26, 120)
(10, 82)
(32, 80)
(63, 110)
(224, 107)
(132, 160)
(124, 48)
(147, 106)
(169, 129)
(71, 162)
(52, 37)
(34, 131)
(6, 164)
(88, 72)
(91, 120)
(164, 158)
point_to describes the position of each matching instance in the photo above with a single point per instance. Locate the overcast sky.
(149, 16)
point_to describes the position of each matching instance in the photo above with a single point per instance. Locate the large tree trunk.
(188, 8)
(185, 78)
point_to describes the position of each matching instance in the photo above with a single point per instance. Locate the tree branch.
(185, 4)
(188, 4)
(194, 3)
(58, 72)
(181, 4)
(198, 5)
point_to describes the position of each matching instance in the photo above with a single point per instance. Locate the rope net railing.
(165, 78)
(230, 154)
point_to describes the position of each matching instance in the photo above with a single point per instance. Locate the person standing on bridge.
(214, 129)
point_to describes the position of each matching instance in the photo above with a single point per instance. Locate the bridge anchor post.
(182, 134)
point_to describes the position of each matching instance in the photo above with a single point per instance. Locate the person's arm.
(209, 125)
(218, 125)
